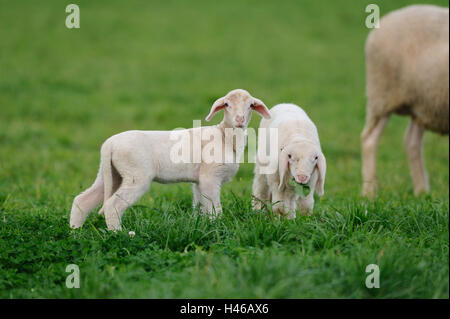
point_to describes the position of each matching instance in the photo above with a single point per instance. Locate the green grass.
(145, 65)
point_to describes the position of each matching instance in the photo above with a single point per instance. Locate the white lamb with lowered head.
(131, 160)
(300, 161)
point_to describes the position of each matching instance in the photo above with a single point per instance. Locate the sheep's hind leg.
(85, 202)
(414, 149)
(370, 138)
(127, 194)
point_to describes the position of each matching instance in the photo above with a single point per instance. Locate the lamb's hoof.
(113, 226)
(305, 211)
(291, 216)
(75, 223)
(279, 211)
(213, 216)
(256, 207)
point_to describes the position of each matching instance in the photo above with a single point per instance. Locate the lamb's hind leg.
(117, 180)
(129, 192)
(414, 147)
(85, 202)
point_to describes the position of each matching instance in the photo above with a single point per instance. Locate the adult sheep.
(407, 73)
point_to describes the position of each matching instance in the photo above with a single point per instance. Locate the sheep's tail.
(106, 171)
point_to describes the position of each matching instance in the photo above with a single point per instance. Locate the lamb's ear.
(261, 108)
(282, 167)
(217, 106)
(322, 168)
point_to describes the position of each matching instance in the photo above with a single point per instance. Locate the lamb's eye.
(316, 158)
(252, 105)
(226, 104)
(289, 155)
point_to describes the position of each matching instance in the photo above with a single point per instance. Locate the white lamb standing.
(300, 159)
(131, 160)
(407, 73)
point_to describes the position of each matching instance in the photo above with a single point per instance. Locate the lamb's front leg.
(290, 204)
(306, 205)
(260, 190)
(210, 196)
(282, 202)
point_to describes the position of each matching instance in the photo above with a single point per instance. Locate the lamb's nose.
(302, 178)
(239, 119)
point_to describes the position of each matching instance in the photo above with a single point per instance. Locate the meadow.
(158, 66)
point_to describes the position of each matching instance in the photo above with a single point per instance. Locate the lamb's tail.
(106, 170)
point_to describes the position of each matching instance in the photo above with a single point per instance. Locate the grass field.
(159, 65)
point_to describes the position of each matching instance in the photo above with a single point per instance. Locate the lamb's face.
(238, 106)
(302, 161)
